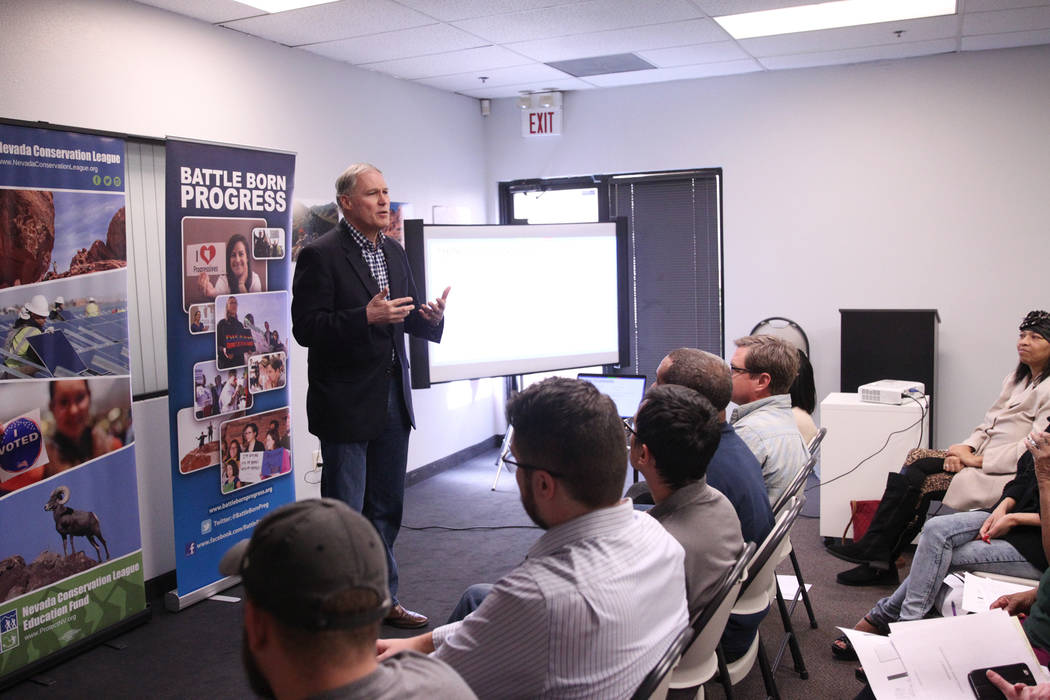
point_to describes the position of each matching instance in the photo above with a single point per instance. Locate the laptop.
(626, 390)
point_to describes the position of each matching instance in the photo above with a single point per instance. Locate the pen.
(953, 609)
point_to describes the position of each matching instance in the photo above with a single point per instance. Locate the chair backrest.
(814, 444)
(711, 622)
(783, 328)
(795, 485)
(655, 684)
(761, 568)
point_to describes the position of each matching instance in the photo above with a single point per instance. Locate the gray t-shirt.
(407, 674)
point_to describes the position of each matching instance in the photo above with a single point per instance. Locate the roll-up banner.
(70, 548)
(228, 316)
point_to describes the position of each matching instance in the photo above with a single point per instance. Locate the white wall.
(119, 66)
(907, 184)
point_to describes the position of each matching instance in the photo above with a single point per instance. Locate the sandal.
(842, 649)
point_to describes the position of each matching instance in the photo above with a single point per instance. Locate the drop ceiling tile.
(533, 74)
(336, 20)
(404, 43)
(660, 75)
(1006, 41)
(716, 52)
(719, 8)
(571, 84)
(450, 10)
(213, 11)
(1006, 21)
(465, 61)
(629, 40)
(578, 18)
(926, 29)
(860, 55)
(987, 5)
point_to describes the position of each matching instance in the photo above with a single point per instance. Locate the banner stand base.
(173, 602)
(36, 668)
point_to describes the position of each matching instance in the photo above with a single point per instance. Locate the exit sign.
(541, 122)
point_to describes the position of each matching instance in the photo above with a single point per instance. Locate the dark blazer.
(348, 359)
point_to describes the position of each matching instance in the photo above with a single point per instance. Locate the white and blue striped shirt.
(590, 611)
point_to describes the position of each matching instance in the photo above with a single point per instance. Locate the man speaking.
(353, 300)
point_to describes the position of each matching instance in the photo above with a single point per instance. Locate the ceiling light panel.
(830, 15)
(336, 20)
(928, 29)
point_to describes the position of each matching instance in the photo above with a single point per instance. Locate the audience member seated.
(601, 595)
(733, 469)
(1008, 541)
(315, 583)
(763, 368)
(675, 434)
(804, 399)
(969, 474)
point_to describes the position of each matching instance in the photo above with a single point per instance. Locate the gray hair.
(345, 183)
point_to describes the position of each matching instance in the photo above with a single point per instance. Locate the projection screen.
(524, 298)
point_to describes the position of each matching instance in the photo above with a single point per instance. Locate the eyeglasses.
(521, 465)
(733, 369)
(627, 429)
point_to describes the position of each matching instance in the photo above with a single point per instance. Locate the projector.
(890, 391)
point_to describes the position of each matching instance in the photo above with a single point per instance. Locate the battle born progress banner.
(229, 323)
(70, 548)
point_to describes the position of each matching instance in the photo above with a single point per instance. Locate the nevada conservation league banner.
(70, 549)
(229, 321)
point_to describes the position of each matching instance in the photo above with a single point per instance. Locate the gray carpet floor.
(457, 532)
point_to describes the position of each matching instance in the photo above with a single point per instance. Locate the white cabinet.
(857, 430)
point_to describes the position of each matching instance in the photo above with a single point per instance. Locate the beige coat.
(999, 439)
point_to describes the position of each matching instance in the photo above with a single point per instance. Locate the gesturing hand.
(382, 310)
(434, 311)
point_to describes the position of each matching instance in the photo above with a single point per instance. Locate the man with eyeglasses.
(763, 368)
(601, 594)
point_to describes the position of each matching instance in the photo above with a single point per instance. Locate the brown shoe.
(399, 616)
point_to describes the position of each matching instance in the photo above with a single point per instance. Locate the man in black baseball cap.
(315, 582)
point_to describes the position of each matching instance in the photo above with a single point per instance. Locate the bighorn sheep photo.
(75, 523)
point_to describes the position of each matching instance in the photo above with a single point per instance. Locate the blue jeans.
(469, 601)
(947, 544)
(370, 476)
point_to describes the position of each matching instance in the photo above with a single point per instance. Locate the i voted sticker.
(22, 446)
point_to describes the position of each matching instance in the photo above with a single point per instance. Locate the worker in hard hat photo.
(30, 322)
(56, 310)
(91, 310)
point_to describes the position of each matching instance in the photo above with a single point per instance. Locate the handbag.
(861, 515)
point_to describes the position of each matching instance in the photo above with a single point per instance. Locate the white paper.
(789, 585)
(886, 673)
(980, 592)
(938, 654)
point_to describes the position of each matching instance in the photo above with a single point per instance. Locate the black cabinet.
(890, 344)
